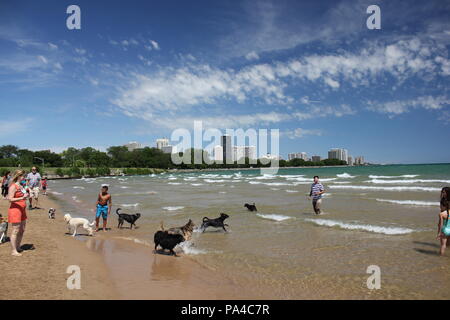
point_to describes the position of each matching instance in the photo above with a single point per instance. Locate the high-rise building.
(133, 145)
(218, 153)
(240, 152)
(316, 158)
(160, 143)
(338, 153)
(227, 148)
(359, 160)
(299, 155)
(350, 160)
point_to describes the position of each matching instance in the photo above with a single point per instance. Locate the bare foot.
(16, 254)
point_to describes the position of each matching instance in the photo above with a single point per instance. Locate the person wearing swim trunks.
(443, 224)
(34, 183)
(103, 210)
(316, 192)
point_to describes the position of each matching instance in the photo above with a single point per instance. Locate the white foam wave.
(129, 205)
(173, 208)
(57, 193)
(175, 183)
(78, 187)
(292, 191)
(408, 181)
(363, 227)
(410, 202)
(387, 188)
(392, 177)
(196, 184)
(345, 175)
(275, 217)
(189, 248)
(213, 181)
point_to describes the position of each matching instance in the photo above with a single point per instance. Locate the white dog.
(77, 222)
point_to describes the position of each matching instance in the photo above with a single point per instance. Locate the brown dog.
(185, 231)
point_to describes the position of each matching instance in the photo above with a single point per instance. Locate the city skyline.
(312, 70)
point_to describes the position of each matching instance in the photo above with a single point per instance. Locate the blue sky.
(137, 70)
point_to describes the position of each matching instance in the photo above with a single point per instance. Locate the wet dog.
(185, 231)
(74, 223)
(216, 223)
(3, 229)
(51, 213)
(130, 218)
(250, 207)
(167, 240)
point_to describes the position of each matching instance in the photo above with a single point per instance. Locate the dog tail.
(92, 223)
(162, 226)
(117, 211)
(205, 219)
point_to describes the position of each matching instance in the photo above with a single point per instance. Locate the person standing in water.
(443, 224)
(104, 198)
(316, 192)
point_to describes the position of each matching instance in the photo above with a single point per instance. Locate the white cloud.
(154, 44)
(403, 106)
(12, 127)
(301, 133)
(252, 56)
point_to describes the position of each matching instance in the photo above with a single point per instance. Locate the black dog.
(250, 207)
(167, 240)
(130, 218)
(216, 223)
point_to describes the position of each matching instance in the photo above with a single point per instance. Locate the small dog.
(78, 222)
(185, 231)
(250, 207)
(130, 218)
(216, 223)
(51, 213)
(166, 240)
(3, 229)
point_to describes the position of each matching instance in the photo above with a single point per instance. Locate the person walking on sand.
(443, 224)
(102, 207)
(17, 214)
(316, 192)
(5, 183)
(34, 183)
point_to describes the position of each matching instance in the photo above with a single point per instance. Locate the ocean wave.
(363, 227)
(271, 183)
(396, 188)
(266, 177)
(175, 183)
(410, 202)
(344, 175)
(213, 181)
(196, 184)
(378, 181)
(57, 193)
(129, 205)
(124, 187)
(275, 217)
(173, 208)
(189, 248)
(78, 187)
(292, 191)
(393, 177)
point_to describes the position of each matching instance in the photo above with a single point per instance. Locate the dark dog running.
(167, 240)
(130, 218)
(51, 213)
(216, 223)
(250, 207)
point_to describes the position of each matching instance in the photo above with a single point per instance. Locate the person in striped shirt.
(316, 192)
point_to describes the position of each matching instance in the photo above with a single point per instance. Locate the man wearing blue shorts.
(103, 209)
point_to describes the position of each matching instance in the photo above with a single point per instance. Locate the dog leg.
(75, 232)
(173, 253)
(224, 228)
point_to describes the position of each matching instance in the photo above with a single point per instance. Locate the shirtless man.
(102, 206)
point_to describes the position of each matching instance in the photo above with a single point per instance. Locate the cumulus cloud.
(402, 106)
(301, 133)
(252, 56)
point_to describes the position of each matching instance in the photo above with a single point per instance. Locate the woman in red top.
(17, 214)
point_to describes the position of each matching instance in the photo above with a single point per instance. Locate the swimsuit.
(17, 212)
(446, 228)
(102, 210)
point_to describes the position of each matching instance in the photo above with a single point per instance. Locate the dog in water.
(51, 213)
(216, 223)
(185, 231)
(167, 240)
(250, 207)
(130, 218)
(3, 229)
(75, 223)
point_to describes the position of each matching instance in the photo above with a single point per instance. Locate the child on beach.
(102, 207)
(443, 224)
(44, 185)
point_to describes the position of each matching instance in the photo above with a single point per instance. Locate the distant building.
(226, 148)
(169, 149)
(359, 161)
(160, 143)
(299, 155)
(218, 153)
(350, 160)
(316, 158)
(271, 157)
(133, 145)
(338, 153)
(240, 152)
